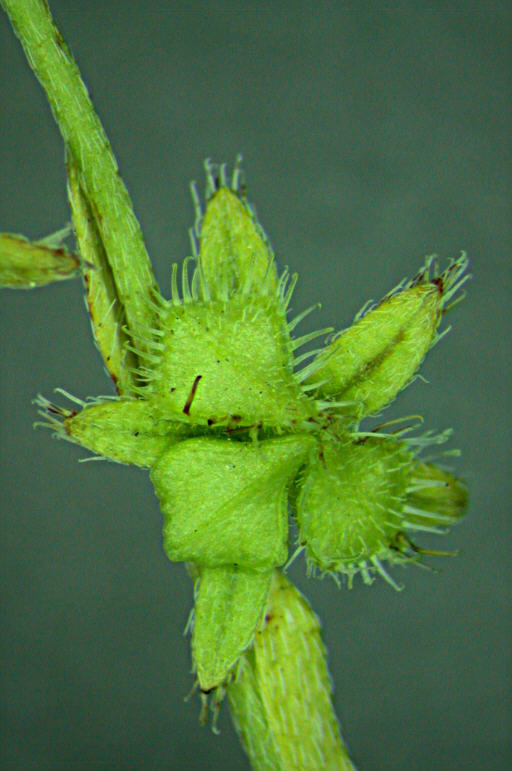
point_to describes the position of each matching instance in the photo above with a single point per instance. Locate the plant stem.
(86, 140)
(281, 700)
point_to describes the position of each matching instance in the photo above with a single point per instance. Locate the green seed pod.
(25, 264)
(225, 502)
(229, 606)
(369, 363)
(359, 498)
(281, 698)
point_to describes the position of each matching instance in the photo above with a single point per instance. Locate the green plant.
(213, 399)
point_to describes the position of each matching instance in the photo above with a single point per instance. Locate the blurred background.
(371, 138)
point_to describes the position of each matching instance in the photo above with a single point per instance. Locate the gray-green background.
(371, 138)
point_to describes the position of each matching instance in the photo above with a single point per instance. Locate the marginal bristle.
(308, 355)
(429, 438)
(424, 528)
(152, 344)
(196, 201)
(313, 386)
(193, 243)
(377, 564)
(362, 311)
(415, 511)
(70, 397)
(175, 295)
(416, 484)
(304, 373)
(449, 281)
(330, 405)
(301, 316)
(53, 413)
(143, 355)
(238, 176)
(283, 282)
(298, 342)
(185, 284)
(453, 279)
(212, 178)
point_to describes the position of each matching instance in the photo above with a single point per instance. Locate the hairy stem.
(87, 142)
(281, 700)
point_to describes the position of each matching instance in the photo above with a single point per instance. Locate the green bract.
(216, 404)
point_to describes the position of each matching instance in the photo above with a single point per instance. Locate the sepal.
(130, 431)
(230, 604)
(373, 360)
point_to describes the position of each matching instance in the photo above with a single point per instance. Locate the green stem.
(86, 140)
(281, 699)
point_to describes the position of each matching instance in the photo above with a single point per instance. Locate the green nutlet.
(359, 499)
(225, 502)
